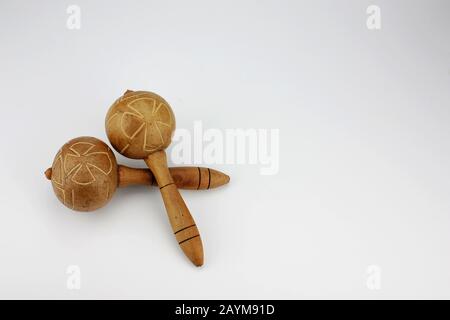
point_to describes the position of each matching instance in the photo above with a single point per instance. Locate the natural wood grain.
(192, 178)
(179, 215)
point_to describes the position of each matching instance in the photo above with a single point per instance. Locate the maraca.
(85, 175)
(140, 125)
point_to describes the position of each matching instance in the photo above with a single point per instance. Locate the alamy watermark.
(73, 281)
(373, 21)
(373, 281)
(227, 146)
(73, 21)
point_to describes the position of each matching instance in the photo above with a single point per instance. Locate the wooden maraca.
(140, 125)
(85, 175)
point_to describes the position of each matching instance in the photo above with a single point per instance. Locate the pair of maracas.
(139, 125)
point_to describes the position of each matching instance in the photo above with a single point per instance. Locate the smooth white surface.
(364, 147)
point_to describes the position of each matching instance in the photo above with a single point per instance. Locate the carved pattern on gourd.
(147, 123)
(82, 161)
(83, 165)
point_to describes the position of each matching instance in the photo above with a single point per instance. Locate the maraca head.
(140, 123)
(84, 174)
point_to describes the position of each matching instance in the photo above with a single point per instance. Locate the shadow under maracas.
(85, 175)
(140, 125)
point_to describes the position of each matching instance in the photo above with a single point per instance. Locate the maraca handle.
(192, 178)
(183, 225)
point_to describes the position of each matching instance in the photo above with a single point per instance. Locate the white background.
(364, 173)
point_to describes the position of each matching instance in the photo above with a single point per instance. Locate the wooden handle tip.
(193, 249)
(218, 178)
(48, 173)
